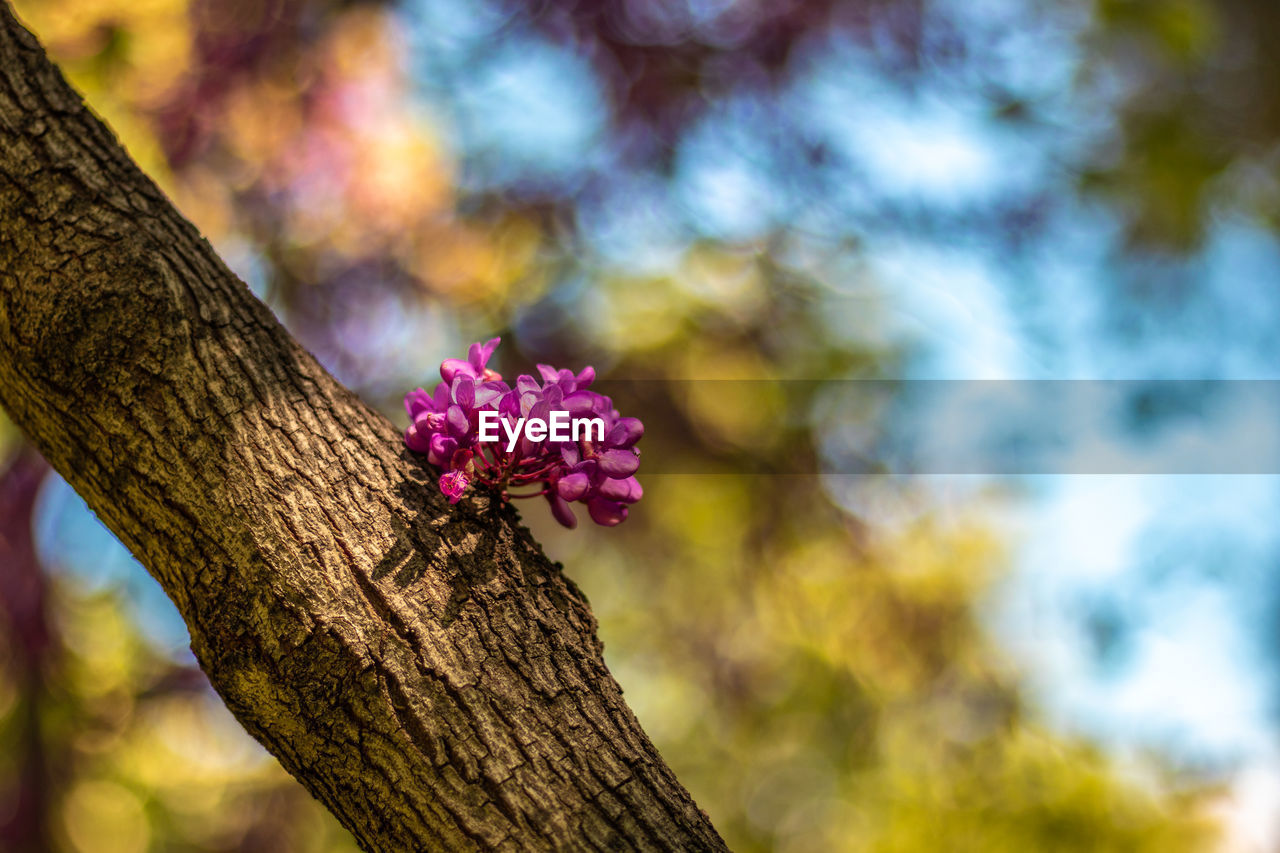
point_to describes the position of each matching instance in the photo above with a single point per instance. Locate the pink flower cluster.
(445, 425)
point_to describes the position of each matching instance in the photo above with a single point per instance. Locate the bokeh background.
(678, 191)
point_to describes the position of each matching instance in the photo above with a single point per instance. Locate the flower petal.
(486, 351)
(573, 486)
(539, 411)
(453, 367)
(625, 433)
(580, 403)
(440, 396)
(591, 468)
(464, 391)
(561, 510)
(416, 401)
(442, 447)
(606, 512)
(508, 405)
(626, 491)
(417, 440)
(618, 464)
(459, 423)
(429, 422)
(488, 392)
(528, 401)
(453, 484)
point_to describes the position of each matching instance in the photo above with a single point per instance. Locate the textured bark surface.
(424, 670)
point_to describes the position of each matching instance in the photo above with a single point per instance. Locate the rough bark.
(424, 670)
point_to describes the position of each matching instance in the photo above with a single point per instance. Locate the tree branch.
(423, 670)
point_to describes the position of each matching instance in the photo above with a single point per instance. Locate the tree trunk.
(424, 670)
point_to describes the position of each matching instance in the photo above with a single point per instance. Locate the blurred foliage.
(108, 746)
(154, 761)
(819, 679)
(820, 687)
(1198, 114)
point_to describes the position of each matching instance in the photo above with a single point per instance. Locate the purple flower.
(453, 484)
(561, 511)
(606, 512)
(475, 366)
(573, 486)
(596, 468)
